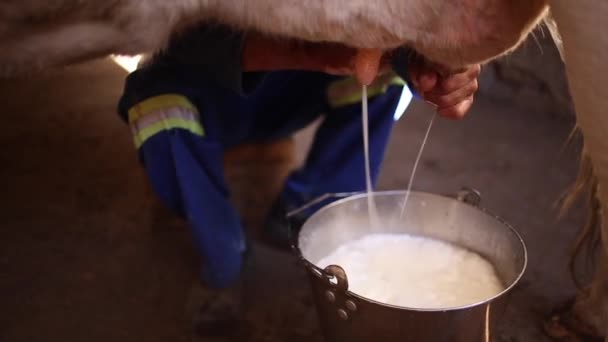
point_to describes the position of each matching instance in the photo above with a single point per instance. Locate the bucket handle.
(469, 196)
(321, 199)
(337, 292)
(290, 214)
(337, 272)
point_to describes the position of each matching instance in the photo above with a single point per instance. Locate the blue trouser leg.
(187, 174)
(335, 162)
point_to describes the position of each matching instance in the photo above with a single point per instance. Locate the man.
(214, 88)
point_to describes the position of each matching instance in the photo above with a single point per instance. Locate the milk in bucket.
(415, 272)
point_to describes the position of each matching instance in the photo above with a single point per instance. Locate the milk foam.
(415, 272)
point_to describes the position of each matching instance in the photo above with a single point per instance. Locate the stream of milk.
(410, 271)
(415, 272)
(374, 221)
(413, 174)
(371, 203)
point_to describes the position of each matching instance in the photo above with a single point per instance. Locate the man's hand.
(452, 93)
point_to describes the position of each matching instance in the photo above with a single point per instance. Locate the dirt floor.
(87, 254)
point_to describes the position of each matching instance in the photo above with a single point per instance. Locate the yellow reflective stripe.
(140, 136)
(348, 91)
(154, 117)
(160, 113)
(396, 80)
(159, 102)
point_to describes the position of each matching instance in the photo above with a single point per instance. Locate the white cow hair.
(551, 25)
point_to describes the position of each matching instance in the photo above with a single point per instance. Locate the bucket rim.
(320, 272)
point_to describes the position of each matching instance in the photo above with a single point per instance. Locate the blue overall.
(183, 120)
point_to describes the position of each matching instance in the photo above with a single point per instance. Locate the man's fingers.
(425, 81)
(451, 83)
(457, 111)
(451, 94)
(453, 98)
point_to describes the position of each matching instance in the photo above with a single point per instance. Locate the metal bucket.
(346, 316)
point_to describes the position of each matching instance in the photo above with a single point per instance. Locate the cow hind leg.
(584, 316)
